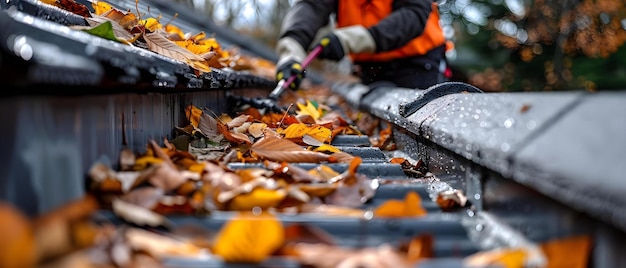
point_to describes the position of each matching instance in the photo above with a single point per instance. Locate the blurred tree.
(549, 44)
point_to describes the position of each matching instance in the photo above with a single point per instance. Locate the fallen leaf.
(411, 206)
(259, 197)
(277, 149)
(249, 238)
(18, 247)
(310, 108)
(450, 199)
(157, 42)
(138, 215)
(568, 252)
(163, 246)
(506, 258)
(256, 129)
(296, 132)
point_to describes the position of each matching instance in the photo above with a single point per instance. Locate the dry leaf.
(158, 43)
(328, 256)
(193, 114)
(137, 215)
(297, 131)
(506, 258)
(309, 109)
(411, 206)
(163, 246)
(249, 238)
(568, 252)
(118, 29)
(18, 247)
(259, 197)
(256, 129)
(450, 199)
(277, 149)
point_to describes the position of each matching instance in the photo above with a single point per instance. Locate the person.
(390, 42)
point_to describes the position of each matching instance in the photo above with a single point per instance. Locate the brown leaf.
(166, 177)
(158, 43)
(163, 246)
(137, 215)
(450, 199)
(328, 256)
(127, 159)
(277, 149)
(256, 129)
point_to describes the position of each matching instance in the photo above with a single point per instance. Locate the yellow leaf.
(309, 109)
(259, 197)
(327, 148)
(297, 131)
(249, 238)
(101, 7)
(145, 161)
(152, 24)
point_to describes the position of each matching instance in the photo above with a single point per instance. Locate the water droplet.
(477, 196)
(505, 147)
(479, 227)
(509, 122)
(368, 215)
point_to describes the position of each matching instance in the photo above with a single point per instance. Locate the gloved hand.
(346, 40)
(289, 68)
(290, 55)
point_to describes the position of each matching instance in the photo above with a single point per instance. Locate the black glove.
(289, 68)
(332, 48)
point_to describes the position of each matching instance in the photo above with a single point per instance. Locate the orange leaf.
(249, 238)
(568, 252)
(279, 150)
(234, 137)
(506, 258)
(193, 114)
(409, 207)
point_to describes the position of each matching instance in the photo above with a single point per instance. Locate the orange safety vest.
(369, 13)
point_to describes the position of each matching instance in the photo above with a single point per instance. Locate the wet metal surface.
(488, 128)
(579, 158)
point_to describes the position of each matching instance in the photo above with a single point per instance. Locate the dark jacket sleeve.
(305, 18)
(406, 22)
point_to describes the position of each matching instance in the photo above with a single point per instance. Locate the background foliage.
(500, 45)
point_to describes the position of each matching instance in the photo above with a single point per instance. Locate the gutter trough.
(534, 166)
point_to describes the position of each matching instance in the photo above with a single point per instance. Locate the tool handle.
(305, 63)
(284, 84)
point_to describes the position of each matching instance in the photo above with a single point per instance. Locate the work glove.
(290, 56)
(343, 41)
(289, 68)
